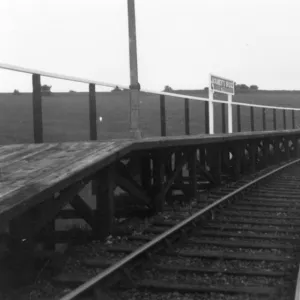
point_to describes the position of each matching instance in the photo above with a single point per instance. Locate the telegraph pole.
(134, 83)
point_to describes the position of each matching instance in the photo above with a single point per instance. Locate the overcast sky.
(179, 42)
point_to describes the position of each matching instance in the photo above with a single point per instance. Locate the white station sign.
(221, 85)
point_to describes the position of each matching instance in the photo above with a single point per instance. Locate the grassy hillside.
(66, 115)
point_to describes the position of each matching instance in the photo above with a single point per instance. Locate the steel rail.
(146, 247)
(126, 87)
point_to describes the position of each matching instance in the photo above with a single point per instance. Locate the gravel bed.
(241, 239)
(269, 214)
(39, 290)
(207, 247)
(225, 264)
(144, 295)
(294, 236)
(248, 227)
(212, 279)
(250, 219)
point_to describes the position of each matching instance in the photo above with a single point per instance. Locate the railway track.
(244, 245)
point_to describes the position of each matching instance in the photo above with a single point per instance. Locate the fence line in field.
(37, 104)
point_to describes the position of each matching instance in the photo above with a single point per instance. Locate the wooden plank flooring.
(32, 173)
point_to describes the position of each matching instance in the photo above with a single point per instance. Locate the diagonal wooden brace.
(126, 182)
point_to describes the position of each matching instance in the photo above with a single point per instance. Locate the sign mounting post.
(134, 83)
(224, 86)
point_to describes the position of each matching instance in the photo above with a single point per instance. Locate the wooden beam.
(83, 210)
(182, 160)
(266, 151)
(37, 109)
(252, 156)
(158, 181)
(124, 180)
(193, 173)
(214, 154)
(287, 149)
(21, 247)
(146, 172)
(105, 206)
(46, 211)
(237, 161)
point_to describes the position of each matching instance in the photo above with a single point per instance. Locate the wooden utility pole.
(134, 83)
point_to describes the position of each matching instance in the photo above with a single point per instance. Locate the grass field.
(65, 115)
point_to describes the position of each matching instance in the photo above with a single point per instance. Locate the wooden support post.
(287, 148)
(21, 230)
(146, 172)
(239, 123)
(274, 119)
(202, 160)
(214, 154)
(187, 116)
(105, 208)
(163, 126)
(158, 184)
(237, 161)
(193, 173)
(293, 119)
(93, 112)
(252, 156)
(37, 109)
(223, 118)
(284, 118)
(266, 150)
(276, 151)
(177, 158)
(225, 160)
(296, 146)
(264, 119)
(49, 230)
(206, 117)
(252, 118)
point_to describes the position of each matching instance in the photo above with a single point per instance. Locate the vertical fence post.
(293, 119)
(224, 118)
(229, 118)
(163, 128)
(93, 112)
(206, 117)
(37, 109)
(264, 119)
(239, 124)
(252, 118)
(187, 116)
(274, 119)
(284, 119)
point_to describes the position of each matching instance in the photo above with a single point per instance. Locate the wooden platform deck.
(32, 173)
(29, 173)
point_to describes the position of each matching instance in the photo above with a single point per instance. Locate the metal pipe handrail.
(125, 87)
